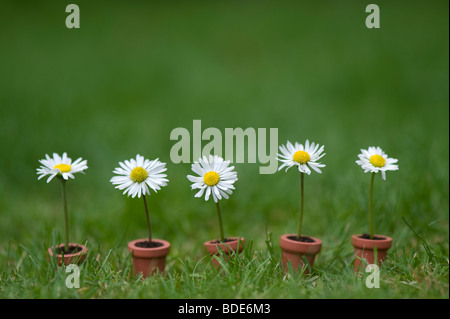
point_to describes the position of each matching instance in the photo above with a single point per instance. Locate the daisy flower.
(374, 160)
(137, 176)
(304, 157)
(60, 166)
(216, 178)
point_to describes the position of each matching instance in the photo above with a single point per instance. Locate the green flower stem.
(66, 214)
(148, 220)
(299, 232)
(371, 206)
(222, 237)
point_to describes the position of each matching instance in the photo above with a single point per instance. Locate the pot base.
(300, 254)
(228, 248)
(370, 251)
(149, 261)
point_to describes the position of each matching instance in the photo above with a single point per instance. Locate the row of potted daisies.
(214, 179)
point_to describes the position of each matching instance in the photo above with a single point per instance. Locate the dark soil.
(367, 236)
(148, 244)
(72, 250)
(226, 240)
(302, 239)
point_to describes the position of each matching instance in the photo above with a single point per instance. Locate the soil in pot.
(149, 258)
(370, 250)
(375, 237)
(299, 252)
(148, 244)
(301, 239)
(75, 255)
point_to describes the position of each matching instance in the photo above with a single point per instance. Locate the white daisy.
(137, 175)
(304, 157)
(60, 166)
(375, 160)
(215, 178)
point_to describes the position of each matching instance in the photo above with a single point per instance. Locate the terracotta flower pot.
(230, 246)
(149, 261)
(300, 254)
(365, 249)
(76, 257)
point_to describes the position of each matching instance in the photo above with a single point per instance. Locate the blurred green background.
(136, 70)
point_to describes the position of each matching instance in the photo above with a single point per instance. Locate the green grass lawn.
(133, 72)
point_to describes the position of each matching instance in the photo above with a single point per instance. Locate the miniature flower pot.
(77, 254)
(372, 250)
(149, 260)
(301, 254)
(215, 247)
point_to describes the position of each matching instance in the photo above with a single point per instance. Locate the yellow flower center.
(138, 175)
(377, 160)
(301, 157)
(211, 178)
(64, 168)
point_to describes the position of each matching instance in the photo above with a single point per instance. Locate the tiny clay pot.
(67, 259)
(301, 255)
(213, 248)
(149, 261)
(373, 251)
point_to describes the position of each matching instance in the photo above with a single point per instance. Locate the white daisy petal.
(50, 178)
(224, 194)
(214, 197)
(316, 168)
(200, 192)
(207, 193)
(126, 168)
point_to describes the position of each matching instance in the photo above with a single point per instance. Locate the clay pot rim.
(84, 250)
(233, 245)
(149, 252)
(233, 241)
(297, 246)
(380, 244)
